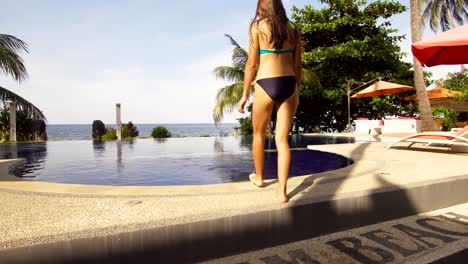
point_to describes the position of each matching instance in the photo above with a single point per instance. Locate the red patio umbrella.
(446, 48)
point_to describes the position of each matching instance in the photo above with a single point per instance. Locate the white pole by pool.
(13, 121)
(118, 122)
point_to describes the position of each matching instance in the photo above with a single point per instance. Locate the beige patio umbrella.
(439, 96)
(436, 93)
(382, 88)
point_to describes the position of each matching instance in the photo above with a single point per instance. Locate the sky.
(155, 57)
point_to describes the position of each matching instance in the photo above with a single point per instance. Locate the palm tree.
(428, 123)
(228, 96)
(12, 64)
(444, 14)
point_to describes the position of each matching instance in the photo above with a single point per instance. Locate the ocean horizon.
(57, 132)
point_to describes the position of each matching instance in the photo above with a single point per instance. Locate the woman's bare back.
(273, 64)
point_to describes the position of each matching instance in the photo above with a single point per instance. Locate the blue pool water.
(174, 161)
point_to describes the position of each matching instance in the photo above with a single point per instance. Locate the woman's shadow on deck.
(313, 216)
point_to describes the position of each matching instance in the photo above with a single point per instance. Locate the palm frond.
(459, 12)
(239, 54)
(22, 104)
(443, 14)
(12, 43)
(12, 64)
(445, 18)
(464, 12)
(231, 92)
(226, 100)
(429, 14)
(436, 13)
(229, 73)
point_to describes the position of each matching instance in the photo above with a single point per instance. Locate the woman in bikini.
(275, 61)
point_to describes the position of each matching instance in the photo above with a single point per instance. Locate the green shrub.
(449, 116)
(4, 125)
(100, 132)
(457, 81)
(98, 129)
(317, 129)
(27, 129)
(160, 132)
(111, 134)
(129, 130)
(245, 125)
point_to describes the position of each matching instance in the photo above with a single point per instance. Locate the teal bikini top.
(282, 51)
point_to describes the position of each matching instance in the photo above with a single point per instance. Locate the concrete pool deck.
(72, 223)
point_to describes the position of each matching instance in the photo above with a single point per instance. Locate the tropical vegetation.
(98, 129)
(457, 81)
(101, 132)
(444, 14)
(160, 132)
(447, 116)
(246, 127)
(27, 129)
(349, 42)
(129, 130)
(12, 64)
(111, 134)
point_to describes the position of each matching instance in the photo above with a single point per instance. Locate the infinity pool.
(174, 161)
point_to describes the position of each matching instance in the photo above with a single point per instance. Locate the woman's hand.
(241, 104)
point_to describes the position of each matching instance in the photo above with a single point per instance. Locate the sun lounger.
(457, 140)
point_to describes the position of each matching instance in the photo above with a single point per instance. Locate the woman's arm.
(298, 59)
(251, 65)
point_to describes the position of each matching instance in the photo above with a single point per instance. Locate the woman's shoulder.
(257, 25)
(261, 25)
(261, 22)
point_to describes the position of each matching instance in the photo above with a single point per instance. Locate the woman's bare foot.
(255, 180)
(282, 197)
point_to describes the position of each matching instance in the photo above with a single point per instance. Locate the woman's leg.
(261, 114)
(284, 117)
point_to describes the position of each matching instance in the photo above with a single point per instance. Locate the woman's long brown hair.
(274, 11)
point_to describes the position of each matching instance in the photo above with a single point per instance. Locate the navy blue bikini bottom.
(278, 88)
